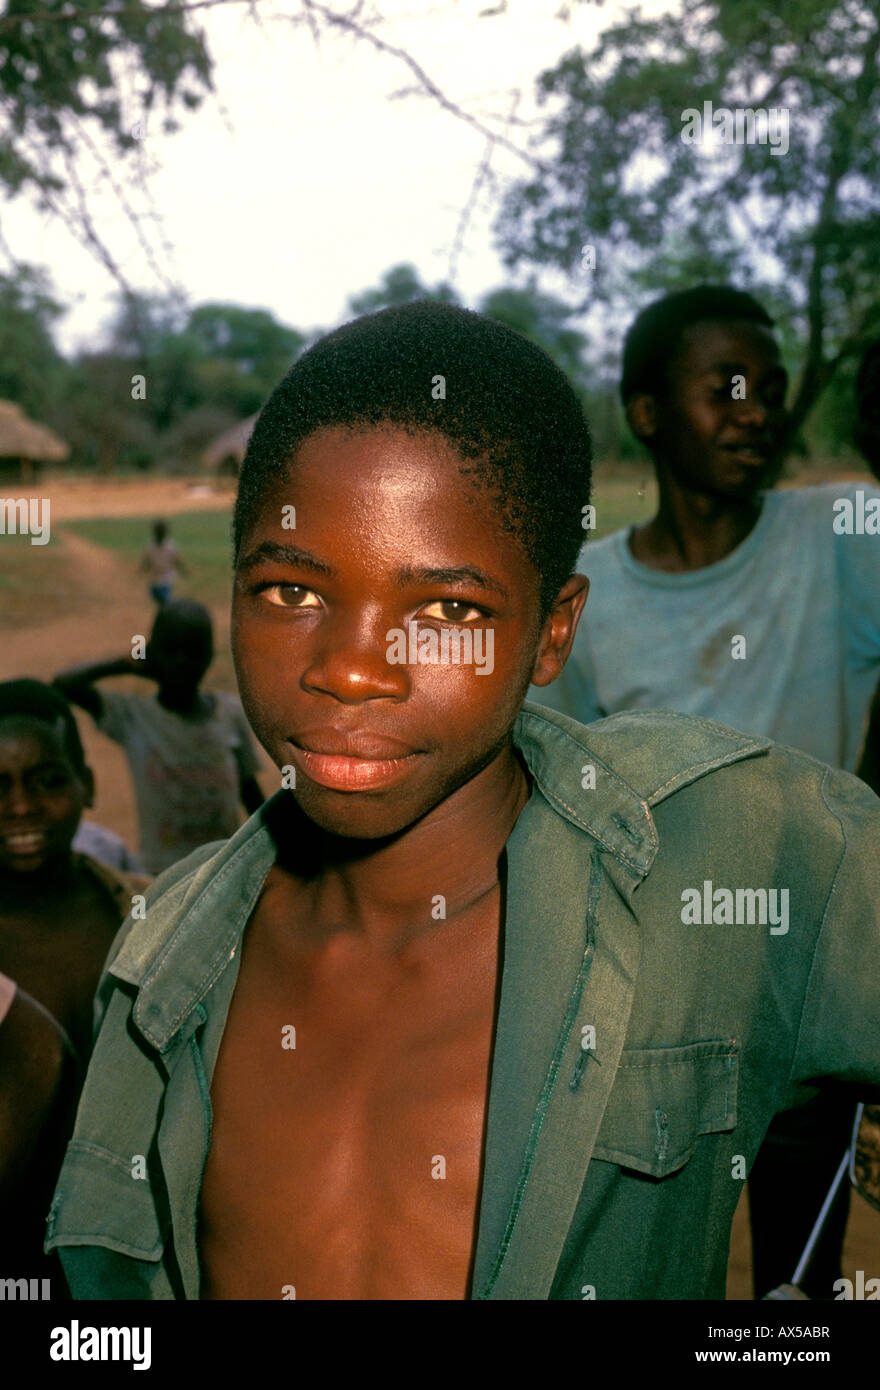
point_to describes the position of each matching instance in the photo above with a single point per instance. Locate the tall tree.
(78, 83)
(251, 339)
(31, 368)
(626, 183)
(399, 285)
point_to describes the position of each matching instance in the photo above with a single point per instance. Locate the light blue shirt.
(803, 597)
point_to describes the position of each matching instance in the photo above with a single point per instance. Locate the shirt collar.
(175, 966)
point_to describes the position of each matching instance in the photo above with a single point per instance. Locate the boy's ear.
(641, 415)
(559, 628)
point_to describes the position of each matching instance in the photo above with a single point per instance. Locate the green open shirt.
(638, 1060)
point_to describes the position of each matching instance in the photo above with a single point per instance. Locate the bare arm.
(78, 683)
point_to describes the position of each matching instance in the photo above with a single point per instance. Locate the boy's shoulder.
(651, 752)
(210, 880)
(632, 761)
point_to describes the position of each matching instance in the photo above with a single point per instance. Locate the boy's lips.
(352, 762)
(21, 843)
(753, 455)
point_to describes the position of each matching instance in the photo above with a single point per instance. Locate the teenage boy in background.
(190, 751)
(745, 605)
(433, 1024)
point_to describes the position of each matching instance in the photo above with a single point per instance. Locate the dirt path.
(118, 608)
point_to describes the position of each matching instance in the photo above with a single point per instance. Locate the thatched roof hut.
(24, 444)
(225, 453)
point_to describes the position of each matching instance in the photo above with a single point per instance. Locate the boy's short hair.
(655, 333)
(31, 699)
(507, 407)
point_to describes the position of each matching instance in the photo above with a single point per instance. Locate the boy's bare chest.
(349, 1103)
(60, 968)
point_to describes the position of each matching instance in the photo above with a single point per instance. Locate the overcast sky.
(303, 182)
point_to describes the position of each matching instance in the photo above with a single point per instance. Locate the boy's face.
(178, 655)
(700, 432)
(387, 534)
(42, 796)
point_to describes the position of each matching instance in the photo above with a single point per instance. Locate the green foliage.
(252, 340)
(60, 68)
(802, 227)
(31, 369)
(399, 285)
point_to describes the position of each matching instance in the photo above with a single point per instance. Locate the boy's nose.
(19, 801)
(751, 411)
(352, 664)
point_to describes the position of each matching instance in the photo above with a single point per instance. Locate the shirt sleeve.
(839, 1033)
(118, 715)
(858, 564)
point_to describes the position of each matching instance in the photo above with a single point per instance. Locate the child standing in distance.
(190, 750)
(59, 913)
(431, 1025)
(162, 562)
(742, 604)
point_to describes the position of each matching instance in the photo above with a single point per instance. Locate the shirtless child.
(59, 913)
(433, 1024)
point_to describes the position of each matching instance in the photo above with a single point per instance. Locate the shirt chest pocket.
(663, 1100)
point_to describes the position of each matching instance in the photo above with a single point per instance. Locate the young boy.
(59, 910)
(434, 1024)
(190, 751)
(737, 603)
(161, 562)
(59, 914)
(38, 1091)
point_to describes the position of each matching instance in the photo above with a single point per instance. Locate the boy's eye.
(290, 595)
(51, 781)
(452, 611)
(774, 397)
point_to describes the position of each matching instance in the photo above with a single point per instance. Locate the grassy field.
(203, 538)
(204, 541)
(36, 584)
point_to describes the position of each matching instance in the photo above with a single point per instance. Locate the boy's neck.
(388, 889)
(40, 892)
(692, 530)
(191, 704)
